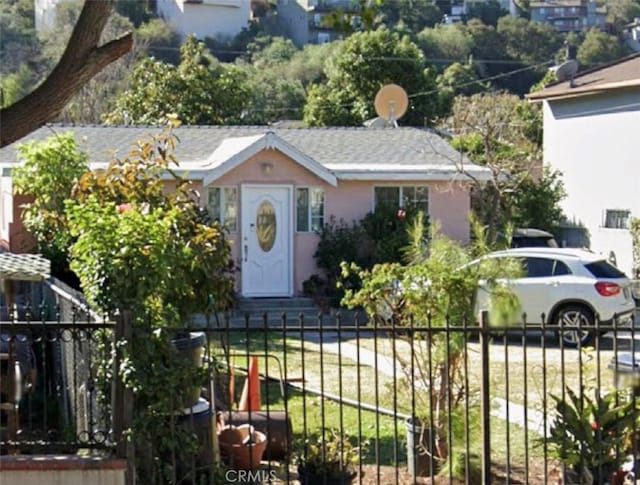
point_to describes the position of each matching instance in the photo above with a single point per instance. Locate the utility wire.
(415, 95)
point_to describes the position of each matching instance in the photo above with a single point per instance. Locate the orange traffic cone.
(250, 400)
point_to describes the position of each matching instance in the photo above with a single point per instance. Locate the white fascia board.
(394, 172)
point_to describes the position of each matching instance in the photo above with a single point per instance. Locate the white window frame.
(310, 189)
(223, 206)
(401, 188)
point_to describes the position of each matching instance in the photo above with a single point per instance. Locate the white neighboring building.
(205, 18)
(592, 135)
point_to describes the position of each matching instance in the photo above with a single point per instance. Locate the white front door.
(266, 250)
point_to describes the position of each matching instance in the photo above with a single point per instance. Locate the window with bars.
(617, 219)
(222, 205)
(309, 209)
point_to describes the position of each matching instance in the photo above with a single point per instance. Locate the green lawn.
(340, 377)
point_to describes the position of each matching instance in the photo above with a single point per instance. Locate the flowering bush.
(141, 249)
(154, 255)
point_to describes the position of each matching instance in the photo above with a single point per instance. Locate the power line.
(490, 78)
(415, 95)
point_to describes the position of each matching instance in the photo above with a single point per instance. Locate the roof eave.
(414, 175)
(584, 91)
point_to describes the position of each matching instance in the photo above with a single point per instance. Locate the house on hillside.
(203, 18)
(591, 136)
(569, 15)
(274, 188)
(303, 22)
(223, 19)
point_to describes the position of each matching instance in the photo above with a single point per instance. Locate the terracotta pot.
(241, 448)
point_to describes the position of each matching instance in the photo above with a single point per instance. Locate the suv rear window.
(602, 269)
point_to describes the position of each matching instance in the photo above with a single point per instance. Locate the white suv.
(571, 286)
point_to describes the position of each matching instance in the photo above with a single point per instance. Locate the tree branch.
(80, 62)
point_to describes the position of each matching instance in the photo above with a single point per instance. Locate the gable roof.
(344, 153)
(233, 151)
(623, 73)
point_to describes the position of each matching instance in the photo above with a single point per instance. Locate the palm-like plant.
(592, 431)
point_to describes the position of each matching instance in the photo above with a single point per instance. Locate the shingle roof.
(623, 73)
(369, 148)
(24, 267)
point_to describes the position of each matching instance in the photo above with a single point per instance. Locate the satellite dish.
(391, 103)
(566, 70)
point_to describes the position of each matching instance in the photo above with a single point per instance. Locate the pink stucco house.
(274, 188)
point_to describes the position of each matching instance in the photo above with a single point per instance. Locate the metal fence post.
(485, 401)
(123, 400)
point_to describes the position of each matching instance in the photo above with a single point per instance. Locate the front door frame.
(289, 237)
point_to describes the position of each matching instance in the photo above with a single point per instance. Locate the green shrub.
(379, 237)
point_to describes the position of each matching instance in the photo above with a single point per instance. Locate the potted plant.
(591, 433)
(331, 458)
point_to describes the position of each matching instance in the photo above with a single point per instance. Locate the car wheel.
(571, 317)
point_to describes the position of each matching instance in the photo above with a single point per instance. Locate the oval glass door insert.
(266, 226)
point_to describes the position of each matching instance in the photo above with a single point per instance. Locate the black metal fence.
(287, 398)
(49, 361)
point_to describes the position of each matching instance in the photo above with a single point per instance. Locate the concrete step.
(252, 304)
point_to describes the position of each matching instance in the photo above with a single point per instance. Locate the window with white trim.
(309, 209)
(416, 196)
(222, 205)
(617, 219)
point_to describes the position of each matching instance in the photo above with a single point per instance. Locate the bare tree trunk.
(440, 413)
(82, 59)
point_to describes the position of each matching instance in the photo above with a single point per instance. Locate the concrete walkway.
(501, 408)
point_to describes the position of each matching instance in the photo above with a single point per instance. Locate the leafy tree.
(367, 61)
(272, 97)
(461, 79)
(19, 44)
(529, 42)
(408, 14)
(433, 372)
(598, 48)
(537, 201)
(308, 65)
(621, 12)
(15, 85)
(488, 45)
(137, 11)
(365, 17)
(447, 42)
(200, 90)
(488, 12)
(495, 130)
(49, 171)
(266, 51)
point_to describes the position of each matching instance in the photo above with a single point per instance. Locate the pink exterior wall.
(349, 201)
